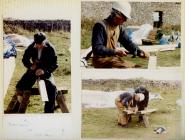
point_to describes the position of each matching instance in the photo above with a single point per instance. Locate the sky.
(38, 9)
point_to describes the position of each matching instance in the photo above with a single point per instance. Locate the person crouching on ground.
(40, 60)
(127, 101)
(106, 35)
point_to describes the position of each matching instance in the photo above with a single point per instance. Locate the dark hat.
(39, 37)
(141, 89)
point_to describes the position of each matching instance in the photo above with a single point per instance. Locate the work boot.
(125, 125)
(130, 119)
(140, 119)
(119, 123)
(25, 101)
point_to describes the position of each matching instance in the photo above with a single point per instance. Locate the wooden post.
(25, 101)
(42, 90)
(146, 121)
(61, 101)
(152, 64)
(13, 106)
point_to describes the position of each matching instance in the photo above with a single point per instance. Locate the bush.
(168, 28)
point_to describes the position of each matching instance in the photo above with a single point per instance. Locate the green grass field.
(102, 123)
(164, 59)
(62, 75)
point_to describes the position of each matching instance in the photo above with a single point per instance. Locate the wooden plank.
(152, 64)
(16, 107)
(13, 105)
(24, 104)
(61, 102)
(148, 111)
(143, 112)
(128, 112)
(42, 90)
(154, 48)
(63, 89)
(148, 48)
(146, 121)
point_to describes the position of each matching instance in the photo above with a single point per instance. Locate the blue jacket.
(126, 97)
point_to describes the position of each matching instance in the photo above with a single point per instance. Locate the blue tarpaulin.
(10, 48)
(12, 41)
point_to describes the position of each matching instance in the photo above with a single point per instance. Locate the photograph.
(37, 65)
(131, 108)
(120, 34)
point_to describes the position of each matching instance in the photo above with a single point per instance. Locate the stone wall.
(142, 12)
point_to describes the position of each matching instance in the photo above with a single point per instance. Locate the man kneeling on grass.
(40, 60)
(130, 102)
(107, 35)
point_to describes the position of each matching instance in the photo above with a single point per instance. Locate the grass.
(102, 123)
(169, 58)
(86, 33)
(165, 59)
(62, 75)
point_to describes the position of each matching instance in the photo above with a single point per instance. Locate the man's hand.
(33, 67)
(39, 72)
(120, 52)
(134, 109)
(144, 54)
(145, 108)
(130, 108)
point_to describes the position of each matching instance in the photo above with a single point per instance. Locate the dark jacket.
(47, 62)
(126, 97)
(99, 41)
(141, 105)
